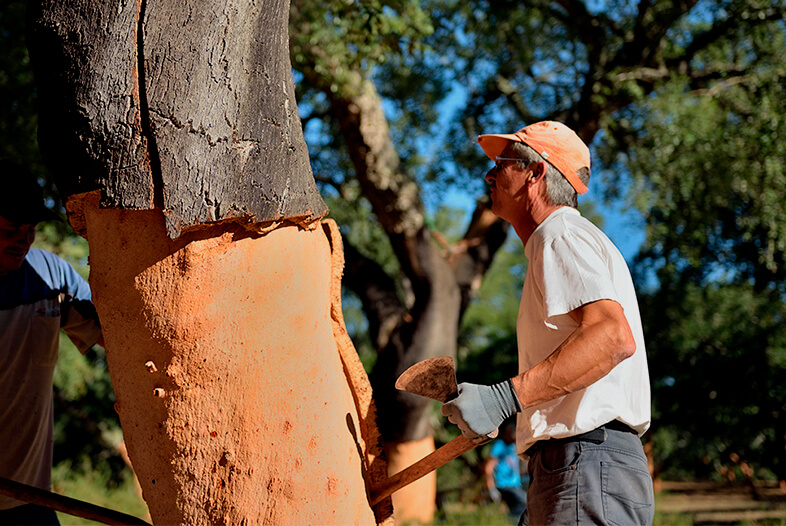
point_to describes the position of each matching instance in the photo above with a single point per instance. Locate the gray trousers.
(598, 478)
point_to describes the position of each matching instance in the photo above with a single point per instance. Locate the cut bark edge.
(75, 210)
(374, 462)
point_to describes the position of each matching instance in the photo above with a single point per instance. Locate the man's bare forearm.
(602, 340)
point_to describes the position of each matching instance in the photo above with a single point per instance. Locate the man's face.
(15, 241)
(508, 181)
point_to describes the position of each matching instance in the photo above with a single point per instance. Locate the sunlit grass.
(93, 488)
(493, 515)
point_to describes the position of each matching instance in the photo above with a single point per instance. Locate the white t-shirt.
(572, 263)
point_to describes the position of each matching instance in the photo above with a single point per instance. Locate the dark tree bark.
(188, 107)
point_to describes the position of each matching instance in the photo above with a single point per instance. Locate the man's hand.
(479, 409)
(494, 494)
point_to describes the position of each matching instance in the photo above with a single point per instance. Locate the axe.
(434, 378)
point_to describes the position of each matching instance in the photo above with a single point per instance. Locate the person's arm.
(602, 340)
(488, 472)
(488, 478)
(80, 319)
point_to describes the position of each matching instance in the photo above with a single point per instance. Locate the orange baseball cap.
(553, 140)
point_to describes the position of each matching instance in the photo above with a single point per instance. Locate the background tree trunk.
(440, 281)
(172, 131)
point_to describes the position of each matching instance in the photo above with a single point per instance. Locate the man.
(39, 295)
(582, 392)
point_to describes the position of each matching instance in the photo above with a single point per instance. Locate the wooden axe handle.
(77, 508)
(453, 449)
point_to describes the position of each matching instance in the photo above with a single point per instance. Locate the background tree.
(414, 312)
(508, 64)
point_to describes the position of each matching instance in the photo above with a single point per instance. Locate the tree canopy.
(681, 101)
(709, 169)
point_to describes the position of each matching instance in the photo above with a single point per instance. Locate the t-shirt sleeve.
(574, 272)
(59, 275)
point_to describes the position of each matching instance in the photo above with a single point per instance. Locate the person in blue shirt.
(40, 294)
(502, 472)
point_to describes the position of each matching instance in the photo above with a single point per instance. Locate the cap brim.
(495, 144)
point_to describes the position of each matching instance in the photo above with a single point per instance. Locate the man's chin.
(11, 262)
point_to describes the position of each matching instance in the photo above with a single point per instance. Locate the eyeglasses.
(497, 160)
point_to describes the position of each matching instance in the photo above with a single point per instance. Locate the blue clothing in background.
(506, 471)
(508, 479)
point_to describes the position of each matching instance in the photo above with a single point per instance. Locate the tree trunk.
(440, 280)
(172, 131)
(185, 107)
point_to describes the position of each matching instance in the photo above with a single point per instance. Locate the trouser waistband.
(595, 436)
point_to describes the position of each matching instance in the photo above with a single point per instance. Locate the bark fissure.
(189, 127)
(144, 109)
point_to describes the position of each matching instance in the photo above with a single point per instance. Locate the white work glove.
(478, 410)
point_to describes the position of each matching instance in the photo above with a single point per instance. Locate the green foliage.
(365, 234)
(487, 345)
(709, 173)
(18, 121)
(87, 429)
(708, 168)
(60, 239)
(717, 366)
(361, 231)
(18, 102)
(331, 41)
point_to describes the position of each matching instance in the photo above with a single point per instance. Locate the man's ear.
(540, 169)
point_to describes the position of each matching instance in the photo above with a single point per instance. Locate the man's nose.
(490, 176)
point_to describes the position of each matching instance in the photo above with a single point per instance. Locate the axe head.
(434, 378)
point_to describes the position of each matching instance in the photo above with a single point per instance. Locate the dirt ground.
(712, 503)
